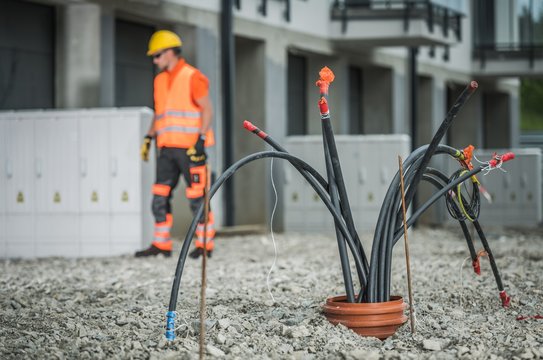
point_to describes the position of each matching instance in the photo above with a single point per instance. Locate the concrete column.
(514, 125)
(399, 123)
(250, 104)
(432, 105)
(79, 58)
(425, 106)
(107, 59)
(275, 85)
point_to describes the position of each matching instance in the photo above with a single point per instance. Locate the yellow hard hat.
(161, 40)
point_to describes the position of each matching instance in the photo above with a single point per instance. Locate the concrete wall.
(379, 96)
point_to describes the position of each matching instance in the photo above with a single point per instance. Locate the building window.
(27, 61)
(297, 95)
(356, 124)
(134, 70)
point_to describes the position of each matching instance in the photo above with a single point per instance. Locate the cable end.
(170, 325)
(249, 125)
(497, 160)
(473, 85)
(476, 266)
(506, 299)
(326, 78)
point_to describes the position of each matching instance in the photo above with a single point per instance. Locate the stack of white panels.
(368, 162)
(73, 183)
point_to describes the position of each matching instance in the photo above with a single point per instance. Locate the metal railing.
(508, 51)
(408, 10)
(263, 8)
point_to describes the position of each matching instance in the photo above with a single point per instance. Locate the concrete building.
(399, 65)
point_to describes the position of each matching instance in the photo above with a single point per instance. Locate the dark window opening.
(27, 55)
(356, 122)
(297, 95)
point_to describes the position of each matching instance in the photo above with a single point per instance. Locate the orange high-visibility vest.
(178, 120)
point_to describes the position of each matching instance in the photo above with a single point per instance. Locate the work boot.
(153, 251)
(197, 252)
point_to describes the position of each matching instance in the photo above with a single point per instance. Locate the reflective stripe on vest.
(178, 120)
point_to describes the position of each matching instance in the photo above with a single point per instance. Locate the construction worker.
(182, 129)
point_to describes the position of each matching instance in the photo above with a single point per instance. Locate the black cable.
(361, 272)
(298, 164)
(459, 103)
(343, 257)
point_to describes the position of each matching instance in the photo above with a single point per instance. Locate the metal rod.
(406, 245)
(204, 267)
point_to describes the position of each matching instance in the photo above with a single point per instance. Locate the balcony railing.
(511, 51)
(407, 10)
(263, 8)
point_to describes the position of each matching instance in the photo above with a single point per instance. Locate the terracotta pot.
(379, 320)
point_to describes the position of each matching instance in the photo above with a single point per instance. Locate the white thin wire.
(271, 232)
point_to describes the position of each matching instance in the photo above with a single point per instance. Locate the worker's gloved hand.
(196, 152)
(144, 150)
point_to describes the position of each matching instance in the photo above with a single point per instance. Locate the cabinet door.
(93, 165)
(57, 181)
(57, 235)
(125, 233)
(20, 229)
(94, 233)
(4, 164)
(125, 166)
(20, 166)
(2, 236)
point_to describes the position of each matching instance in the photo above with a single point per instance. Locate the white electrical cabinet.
(3, 161)
(368, 163)
(74, 182)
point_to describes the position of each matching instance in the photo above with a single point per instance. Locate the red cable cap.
(497, 159)
(473, 85)
(477, 266)
(506, 299)
(249, 125)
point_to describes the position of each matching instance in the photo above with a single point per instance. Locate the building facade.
(399, 66)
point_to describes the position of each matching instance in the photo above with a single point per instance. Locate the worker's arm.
(146, 145)
(152, 132)
(207, 113)
(197, 152)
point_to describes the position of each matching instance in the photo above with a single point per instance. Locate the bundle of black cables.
(463, 201)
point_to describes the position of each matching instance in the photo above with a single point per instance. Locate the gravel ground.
(115, 307)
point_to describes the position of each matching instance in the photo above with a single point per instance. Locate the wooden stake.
(204, 263)
(406, 245)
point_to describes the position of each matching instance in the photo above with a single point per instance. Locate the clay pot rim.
(337, 305)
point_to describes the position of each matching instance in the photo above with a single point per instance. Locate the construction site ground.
(114, 308)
